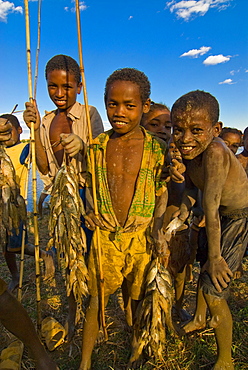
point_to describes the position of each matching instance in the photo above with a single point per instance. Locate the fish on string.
(154, 313)
(12, 205)
(67, 235)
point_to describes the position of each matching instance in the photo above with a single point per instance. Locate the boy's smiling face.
(124, 106)
(193, 132)
(63, 88)
(159, 122)
(232, 140)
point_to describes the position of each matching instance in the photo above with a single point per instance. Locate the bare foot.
(14, 283)
(100, 338)
(196, 324)
(48, 259)
(224, 365)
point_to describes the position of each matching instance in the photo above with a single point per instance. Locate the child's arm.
(177, 168)
(31, 114)
(189, 198)
(216, 166)
(160, 243)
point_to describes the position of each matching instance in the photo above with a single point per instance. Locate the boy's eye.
(153, 124)
(111, 105)
(176, 130)
(130, 105)
(196, 130)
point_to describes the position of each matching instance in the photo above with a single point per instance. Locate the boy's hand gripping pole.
(97, 231)
(34, 180)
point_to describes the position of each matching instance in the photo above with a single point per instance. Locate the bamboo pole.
(97, 231)
(24, 231)
(37, 51)
(34, 180)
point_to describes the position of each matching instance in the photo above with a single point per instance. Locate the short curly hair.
(133, 75)
(235, 131)
(195, 100)
(13, 119)
(64, 63)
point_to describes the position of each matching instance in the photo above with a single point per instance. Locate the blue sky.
(180, 45)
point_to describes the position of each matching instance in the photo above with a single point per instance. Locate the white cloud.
(233, 72)
(246, 70)
(228, 81)
(186, 9)
(131, 17)
(195, 53)
(216, 59)
(6, 7)
(82, 6)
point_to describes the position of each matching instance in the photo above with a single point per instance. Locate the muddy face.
(193, 132)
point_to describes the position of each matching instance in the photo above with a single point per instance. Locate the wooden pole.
(34, 180)
(37, 51)
(97, 231)
(24, 231)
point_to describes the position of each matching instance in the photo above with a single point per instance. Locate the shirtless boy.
(63, 131)
(243, 156)
(212, 168)
(128, 164)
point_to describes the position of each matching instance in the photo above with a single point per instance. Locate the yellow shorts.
(3, 286)
(126, 256)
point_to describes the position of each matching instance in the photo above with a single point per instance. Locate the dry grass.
(192, 352)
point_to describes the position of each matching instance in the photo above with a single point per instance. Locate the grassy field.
(192, 352)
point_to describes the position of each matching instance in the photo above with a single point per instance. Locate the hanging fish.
(154, 313)
(67, 235)
(12, 205)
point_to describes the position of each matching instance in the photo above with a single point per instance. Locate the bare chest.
(124, 158)
(60, 124)
(196, 174)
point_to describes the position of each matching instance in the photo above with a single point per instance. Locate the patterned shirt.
(149, 184)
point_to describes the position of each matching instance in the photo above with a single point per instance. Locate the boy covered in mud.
(18, 153)
(64, 131)
(128, 163)
(212, 168)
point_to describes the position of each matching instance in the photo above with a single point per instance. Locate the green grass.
(192, 352)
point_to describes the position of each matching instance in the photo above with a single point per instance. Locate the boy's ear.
(146, 106)
(217, 129)
(80, 85)
(19, 130)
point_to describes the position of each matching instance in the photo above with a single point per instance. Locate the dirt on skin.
(194, 351)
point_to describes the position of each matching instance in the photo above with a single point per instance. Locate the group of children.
(144, 177)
